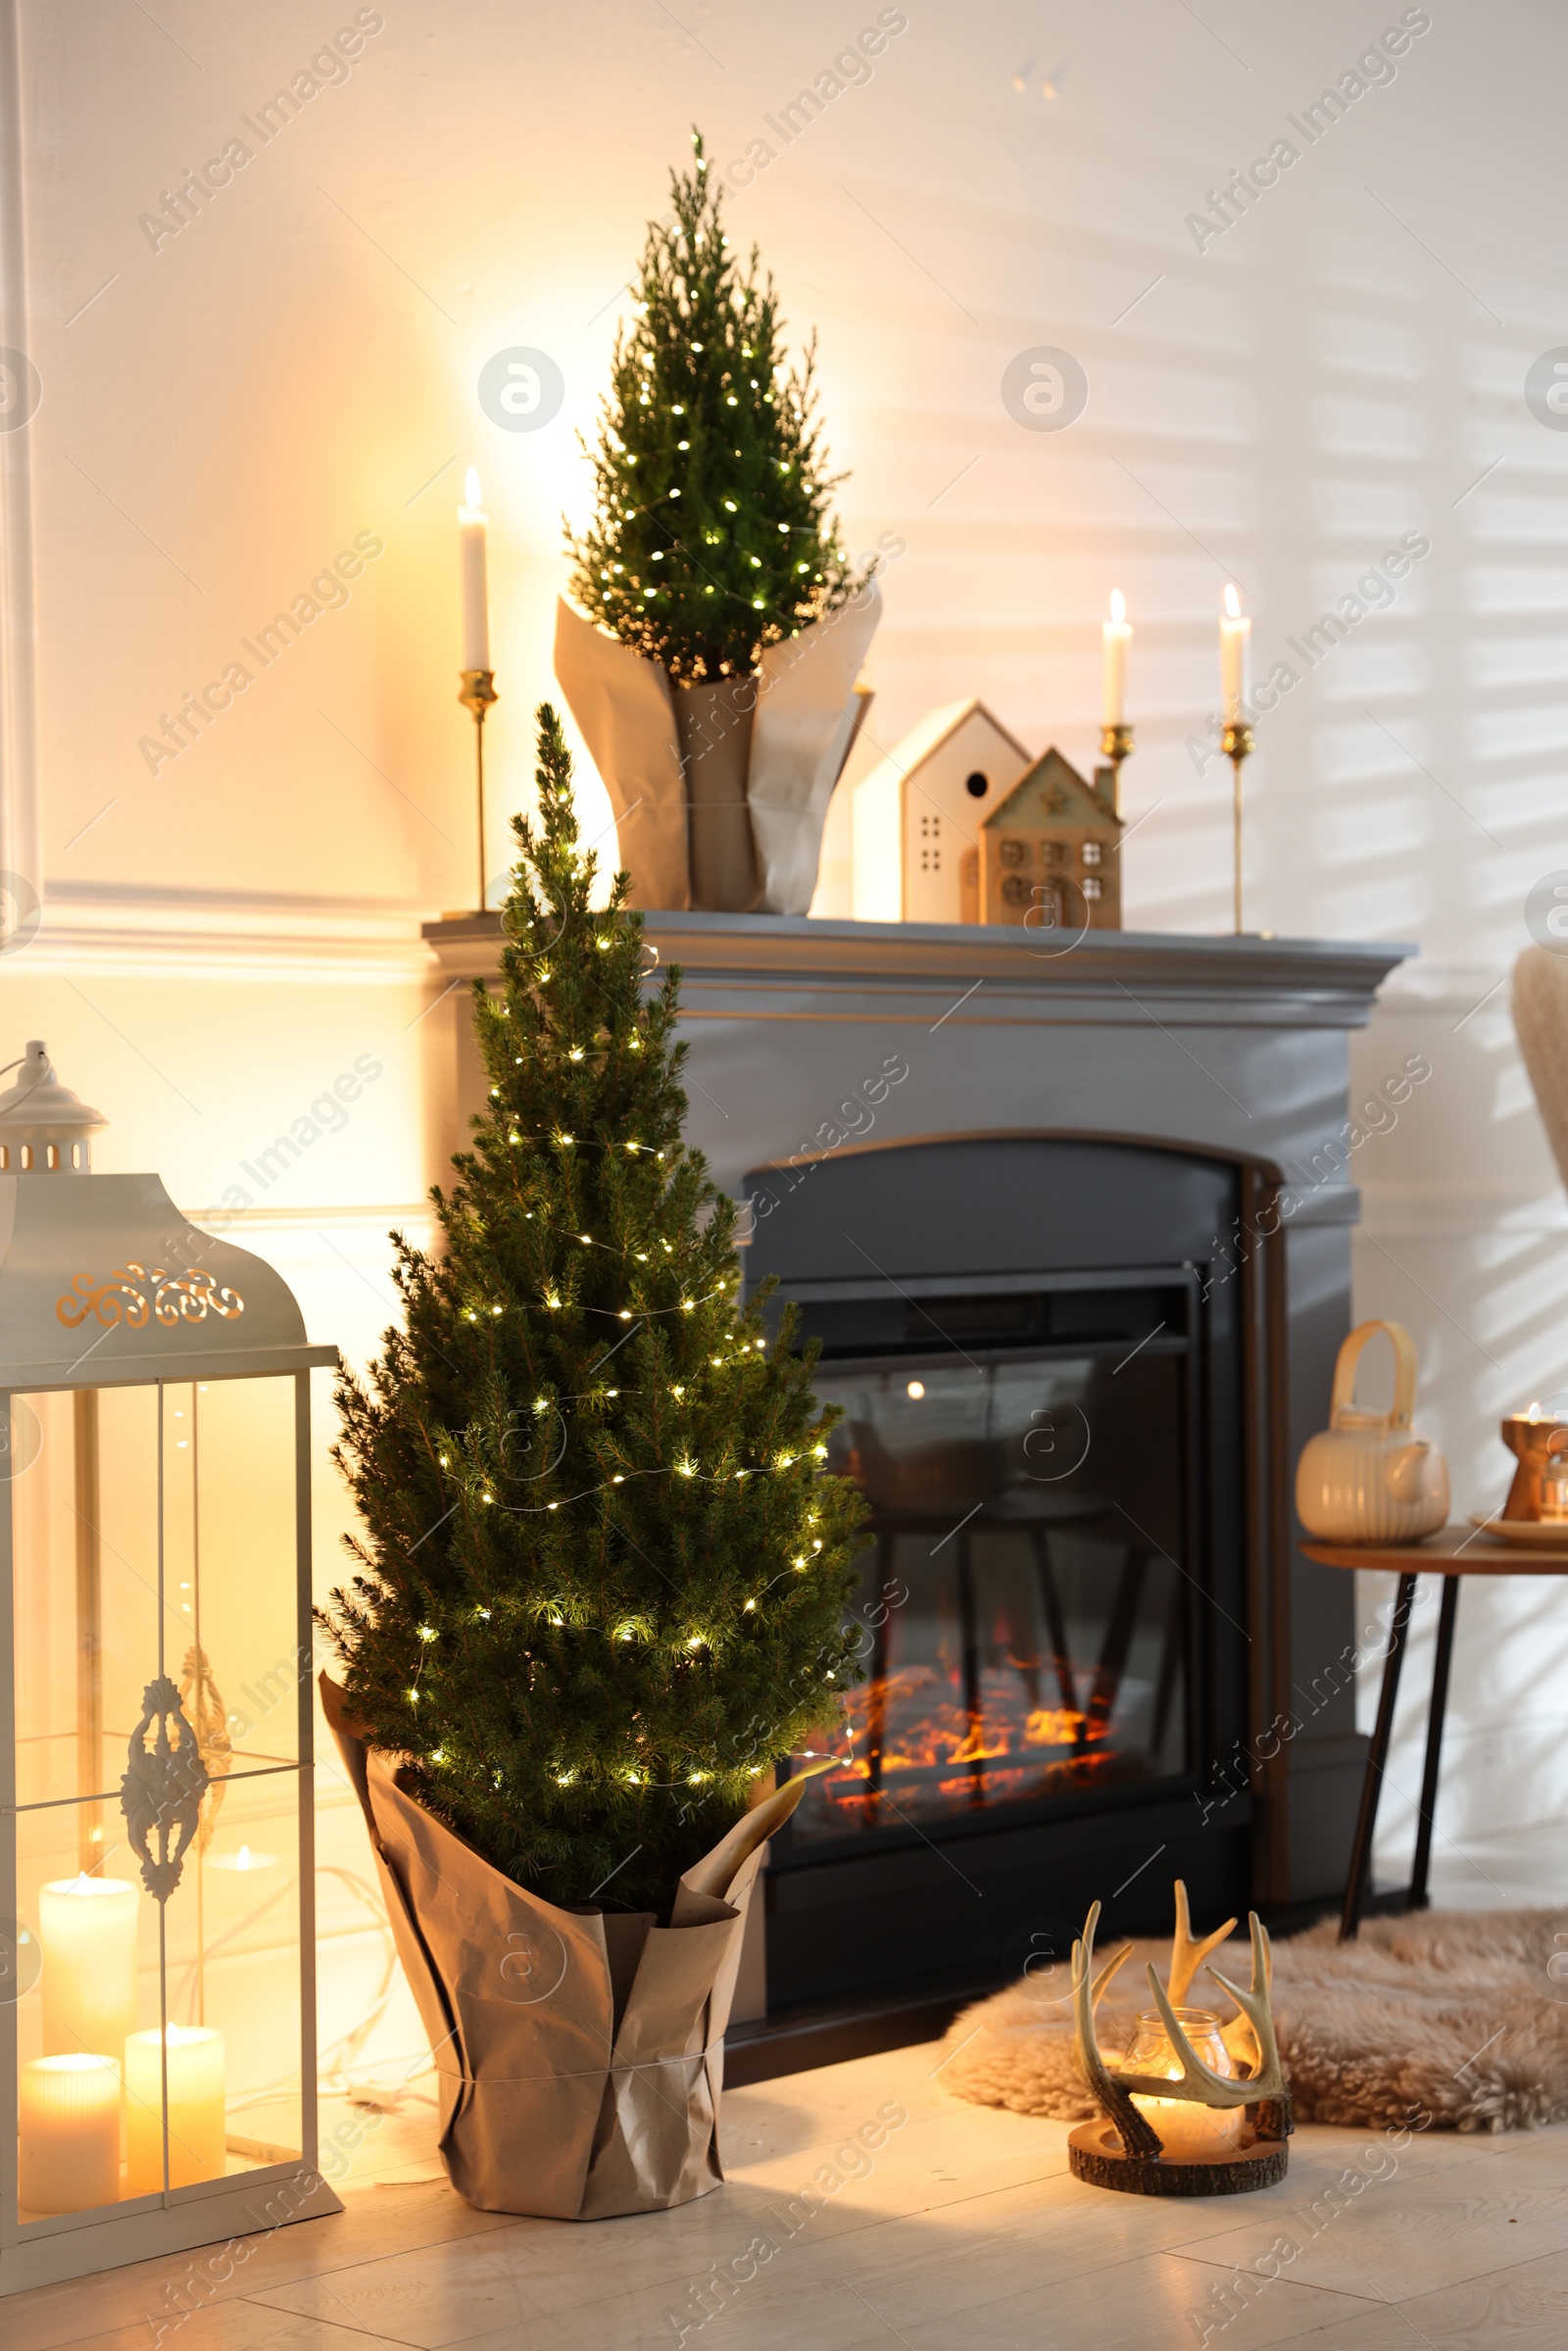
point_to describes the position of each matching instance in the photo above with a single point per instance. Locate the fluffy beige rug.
(1460, 2016)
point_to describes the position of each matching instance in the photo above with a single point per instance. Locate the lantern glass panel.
(155, 1535)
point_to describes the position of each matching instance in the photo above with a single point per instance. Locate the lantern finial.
(43, 1126)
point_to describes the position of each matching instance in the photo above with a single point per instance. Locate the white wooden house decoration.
(1050, 850)
(920, 813)
(157, 1918)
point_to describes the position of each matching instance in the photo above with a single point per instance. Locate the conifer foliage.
(712, 537)
(603, 1575)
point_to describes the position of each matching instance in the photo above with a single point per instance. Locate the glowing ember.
(912, 1741)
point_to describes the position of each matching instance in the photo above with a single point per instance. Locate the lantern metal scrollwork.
(176, 1297)
(162, 1791)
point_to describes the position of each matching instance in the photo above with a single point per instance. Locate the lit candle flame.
(470, 489)
(1118, 604)
(1232, 603)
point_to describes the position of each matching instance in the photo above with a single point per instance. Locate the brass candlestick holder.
(1115, 742)
(478, 693)
(1237, 744)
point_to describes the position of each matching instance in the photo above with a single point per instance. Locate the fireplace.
(1023, 1616)
(1108, 1183)
(1038, 1345)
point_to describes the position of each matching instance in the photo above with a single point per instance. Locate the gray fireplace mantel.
(1233, 1043)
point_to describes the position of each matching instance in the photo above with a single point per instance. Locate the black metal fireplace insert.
(1055, 1398)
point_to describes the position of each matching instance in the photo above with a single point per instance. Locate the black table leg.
(1356, 1886)
(1442, 1658)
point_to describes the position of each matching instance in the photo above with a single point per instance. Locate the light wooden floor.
(965, 2233)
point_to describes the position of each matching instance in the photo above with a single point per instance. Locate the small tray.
(1525, 1534)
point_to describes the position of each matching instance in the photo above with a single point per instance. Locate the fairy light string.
(599, 1534)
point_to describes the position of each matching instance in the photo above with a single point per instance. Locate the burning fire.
(912, 1727)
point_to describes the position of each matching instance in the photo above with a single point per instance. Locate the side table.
(1456, 1552)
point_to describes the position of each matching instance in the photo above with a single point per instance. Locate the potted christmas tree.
(600, 1581)
(710, 654)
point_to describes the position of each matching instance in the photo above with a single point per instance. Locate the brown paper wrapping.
(579, 2053)
(713, 730)
(720, 791)
(623, 705)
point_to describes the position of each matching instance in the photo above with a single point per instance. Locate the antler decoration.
(1268, 2080)
(1138, 2135)
(1262, 2087)
(1185, 1956)
(1199, 2083)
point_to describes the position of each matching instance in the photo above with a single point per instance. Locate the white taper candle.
(1235, 634)
(1116, 637)
(473, 524)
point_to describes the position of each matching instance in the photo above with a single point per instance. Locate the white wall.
(298, 365)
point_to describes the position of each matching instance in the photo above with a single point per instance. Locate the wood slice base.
(1095, 2154)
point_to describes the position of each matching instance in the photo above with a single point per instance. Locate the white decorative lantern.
(157, 2032)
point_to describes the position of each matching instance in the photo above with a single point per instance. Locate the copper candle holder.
(1540, 1439)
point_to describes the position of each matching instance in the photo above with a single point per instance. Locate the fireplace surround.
(1064, 1189)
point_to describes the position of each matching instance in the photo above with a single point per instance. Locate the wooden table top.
(1454, 1552)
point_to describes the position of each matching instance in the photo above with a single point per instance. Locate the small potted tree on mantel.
(711, 651)
(601, 1582)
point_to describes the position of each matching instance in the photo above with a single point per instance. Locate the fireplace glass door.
(1025, 1607)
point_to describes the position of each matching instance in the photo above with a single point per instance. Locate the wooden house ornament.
(920, 816)
(1049, 853)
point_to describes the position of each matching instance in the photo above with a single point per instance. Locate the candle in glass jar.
(473, 558)
(87, 1930)
(1116, 636)
(196, 2125)
(1235, 637)
(68, 2134)
(1190, 2133)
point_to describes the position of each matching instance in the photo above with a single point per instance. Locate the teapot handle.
(1404, 1371)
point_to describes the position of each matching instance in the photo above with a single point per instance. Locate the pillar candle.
(1235, 634)
(472, 528)
(68, 2121)
(196, 2126)
(87, 1930)
(1117, 638)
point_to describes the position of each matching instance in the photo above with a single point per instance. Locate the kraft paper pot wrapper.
(677, 762)
(806, 716)
(579, 2053)
(621, 701)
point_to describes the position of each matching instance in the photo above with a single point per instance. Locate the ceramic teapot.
(1367, 1477)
